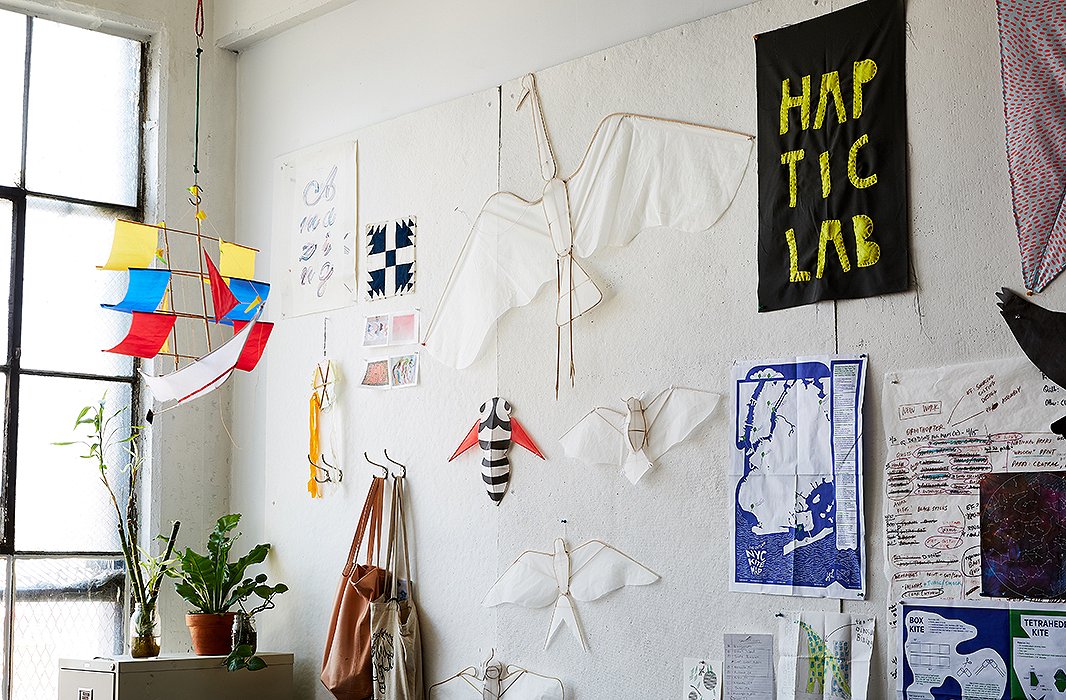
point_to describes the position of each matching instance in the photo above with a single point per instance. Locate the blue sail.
(250, 295)
(145, 291)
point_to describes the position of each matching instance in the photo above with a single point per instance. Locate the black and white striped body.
(494, 439)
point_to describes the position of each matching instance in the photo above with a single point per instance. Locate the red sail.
(147, 334)
(255, 345)
(221, 297)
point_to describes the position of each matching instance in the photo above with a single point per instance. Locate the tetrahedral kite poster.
(1023, 535)
(1032, 36)
(315, 229)
(833, 219)
(390, 258)
(797, 477)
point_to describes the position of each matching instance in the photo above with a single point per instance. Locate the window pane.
(63, 326)
(64, 608)
(12, 81)
(84, 115)
(6, 223)
(60, 504)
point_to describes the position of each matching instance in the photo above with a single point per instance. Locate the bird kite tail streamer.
(315, 408)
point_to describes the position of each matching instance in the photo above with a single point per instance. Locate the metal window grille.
(62, 576)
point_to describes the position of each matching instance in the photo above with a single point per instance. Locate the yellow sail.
(134, 245)
(236, 260)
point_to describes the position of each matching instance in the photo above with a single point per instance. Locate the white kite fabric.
(639, 174)
(634, 440)
(203, 376)
(586, 573)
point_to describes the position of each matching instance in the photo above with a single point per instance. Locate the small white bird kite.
(634, 440)
(586, 573)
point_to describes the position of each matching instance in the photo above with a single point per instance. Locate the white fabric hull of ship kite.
(202, 376)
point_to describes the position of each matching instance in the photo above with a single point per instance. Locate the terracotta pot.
(211, 634)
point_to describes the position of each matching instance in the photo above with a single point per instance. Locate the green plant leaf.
(257, 555)
(256, 664)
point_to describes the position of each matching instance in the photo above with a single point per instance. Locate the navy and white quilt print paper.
(390, 258)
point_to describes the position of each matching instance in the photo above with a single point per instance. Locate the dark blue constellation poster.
(797, 477)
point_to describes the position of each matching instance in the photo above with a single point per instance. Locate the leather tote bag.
(396, 646)
(346, 668)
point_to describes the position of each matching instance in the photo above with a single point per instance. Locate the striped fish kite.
(493, 432)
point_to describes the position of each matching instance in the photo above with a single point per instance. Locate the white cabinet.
(177, 677)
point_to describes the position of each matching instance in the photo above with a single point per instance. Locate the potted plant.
(212, 585)
(245, 638)
(102, 439)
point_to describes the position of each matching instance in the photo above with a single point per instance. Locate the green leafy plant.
(243, 656)
(103, 439)
(211, 583)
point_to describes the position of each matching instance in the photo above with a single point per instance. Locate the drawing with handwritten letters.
(314, 229)
(946, 428)
(797, 477)
(824, 656)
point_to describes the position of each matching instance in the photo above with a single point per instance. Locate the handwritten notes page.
(749, 667)
(315, 229)
(946, 428)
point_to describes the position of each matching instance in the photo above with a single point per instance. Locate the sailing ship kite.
(236, 297)
(237, 301)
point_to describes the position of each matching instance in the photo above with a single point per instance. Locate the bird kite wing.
(529, 582)
(642, 173)
(520, 684)
(597, 569)
(519, 436)
(469, 441)
(507, 258)
(673, 415)
(596, 438)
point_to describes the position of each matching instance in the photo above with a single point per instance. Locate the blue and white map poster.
(797, 477)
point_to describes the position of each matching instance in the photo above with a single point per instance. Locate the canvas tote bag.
(346, 670)
(396, 646)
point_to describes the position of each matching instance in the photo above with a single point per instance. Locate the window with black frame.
(70, 163)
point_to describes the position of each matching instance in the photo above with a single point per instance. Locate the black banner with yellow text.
(833, 218)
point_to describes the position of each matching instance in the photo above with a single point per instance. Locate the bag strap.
(403, 533)
(373, 497)
(398, 533)
(373, 543)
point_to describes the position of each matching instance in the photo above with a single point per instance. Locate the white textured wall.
(190, 448)
(680, 310)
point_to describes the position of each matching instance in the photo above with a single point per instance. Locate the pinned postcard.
(701, 680)
(382, 330)
(376, 374)
(403, 371)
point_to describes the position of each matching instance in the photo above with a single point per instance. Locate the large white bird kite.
(639, 174)
(586, 573)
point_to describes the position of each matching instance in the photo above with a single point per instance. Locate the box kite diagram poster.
(1023, 535)
(797, 477)
(982, 650)
(833, 220)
